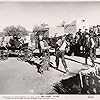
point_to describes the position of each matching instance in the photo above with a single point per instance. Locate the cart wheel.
(25, 54)
(4, 54)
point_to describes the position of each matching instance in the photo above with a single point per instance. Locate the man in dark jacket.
(89, 47)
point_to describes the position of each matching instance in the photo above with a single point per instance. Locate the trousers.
(60, 54)
(89, 52)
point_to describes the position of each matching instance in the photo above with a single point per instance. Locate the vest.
(96, 40)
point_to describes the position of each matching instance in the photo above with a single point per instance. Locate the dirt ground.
(17, 77)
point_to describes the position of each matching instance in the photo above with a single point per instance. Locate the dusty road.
(17, 77)
(22, 78)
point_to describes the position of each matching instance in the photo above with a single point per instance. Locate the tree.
(9, 30)
(18, 31)
(21, 31)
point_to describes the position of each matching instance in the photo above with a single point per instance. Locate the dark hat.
(98, 25)
(94, 26)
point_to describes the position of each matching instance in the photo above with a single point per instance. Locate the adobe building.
(75, 25)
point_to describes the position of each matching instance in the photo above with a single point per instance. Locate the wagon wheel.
(3, 54)
(25, 54)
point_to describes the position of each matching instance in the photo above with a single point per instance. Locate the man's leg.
(71, 50)
(86, 55)
(86, 60)
(57, 58)
(94, 52)
(63, 61)
(48, 59)
(92, 57)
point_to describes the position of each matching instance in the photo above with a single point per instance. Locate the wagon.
(26, 51)
(14, 46)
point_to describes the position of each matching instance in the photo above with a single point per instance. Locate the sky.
(29, 14)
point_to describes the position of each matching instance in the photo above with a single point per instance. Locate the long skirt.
(45, 63)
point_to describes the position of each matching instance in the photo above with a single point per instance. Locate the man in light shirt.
(60, 52)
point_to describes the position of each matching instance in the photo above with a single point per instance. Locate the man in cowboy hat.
(89, 45)
(45, 63)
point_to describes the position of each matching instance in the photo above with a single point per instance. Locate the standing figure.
(77, 45)
(60, 52)
(45, 63)
(72, 44)
(83, 40)
(93, 35)
(89, 49)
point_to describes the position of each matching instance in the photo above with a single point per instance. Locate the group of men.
(85, 40)
(59, 52)
(89, 42)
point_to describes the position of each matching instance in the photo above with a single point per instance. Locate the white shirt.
(93, 44)
(63, 46)
(43, 46)
(92, 41)
(59, 42)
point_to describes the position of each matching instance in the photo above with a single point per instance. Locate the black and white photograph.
(49, 48)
